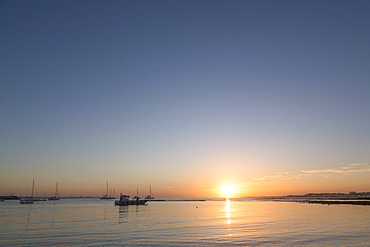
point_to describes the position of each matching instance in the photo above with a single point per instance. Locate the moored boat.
(150, 196)
(11, 197)
(31, 200)
(26, 201)
(56, 196)
(107, 196)
(125, 200)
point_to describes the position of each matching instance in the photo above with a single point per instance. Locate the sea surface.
(246, 222)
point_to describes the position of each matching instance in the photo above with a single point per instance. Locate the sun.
(227, 191)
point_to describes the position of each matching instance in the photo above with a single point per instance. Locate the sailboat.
(30, 200)
(150, 196)
(56, 196)
(106, 196)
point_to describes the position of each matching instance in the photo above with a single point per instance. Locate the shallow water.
(94, 222)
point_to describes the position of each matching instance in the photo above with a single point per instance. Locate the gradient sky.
(269, 97)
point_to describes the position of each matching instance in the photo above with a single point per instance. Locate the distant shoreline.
(177, 200)
(340, 202)
(320, 200)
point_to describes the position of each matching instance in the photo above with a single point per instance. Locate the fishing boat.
(106, 196)
(125, 200)
(31, 200)
(150, 196)
(56, 196)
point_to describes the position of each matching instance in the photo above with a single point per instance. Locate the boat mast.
(33, 187)
(107, 189)
(56, 190)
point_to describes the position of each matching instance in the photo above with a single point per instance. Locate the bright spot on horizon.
(227, 191)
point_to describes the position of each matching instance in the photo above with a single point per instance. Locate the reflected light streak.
(228, 215)
(228, 209)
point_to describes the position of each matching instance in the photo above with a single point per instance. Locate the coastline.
(347, 202)
(365, 201)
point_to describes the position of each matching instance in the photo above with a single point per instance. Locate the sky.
(195, 98)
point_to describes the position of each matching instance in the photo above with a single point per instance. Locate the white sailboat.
(150, 196)
(106, 196)
(56, 196)
(31, 200)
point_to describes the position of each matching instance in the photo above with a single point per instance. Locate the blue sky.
(182, 94)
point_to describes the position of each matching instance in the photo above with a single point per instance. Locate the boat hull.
(53, 199)
(26, 202)
(107, 198)
(34, 199)
(130, 202)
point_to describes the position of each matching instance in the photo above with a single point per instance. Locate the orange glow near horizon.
(211, 186)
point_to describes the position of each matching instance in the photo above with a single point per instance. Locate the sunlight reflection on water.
(91, 222)
(228, 215)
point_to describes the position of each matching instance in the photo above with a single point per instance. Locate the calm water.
(94, 222)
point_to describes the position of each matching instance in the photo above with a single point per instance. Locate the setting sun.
(227, 191)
